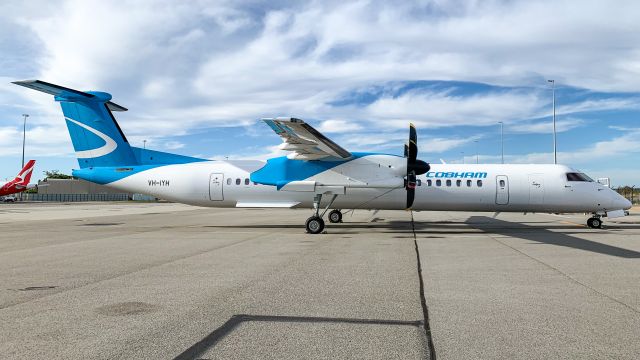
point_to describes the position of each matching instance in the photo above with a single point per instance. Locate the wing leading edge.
(305, 142)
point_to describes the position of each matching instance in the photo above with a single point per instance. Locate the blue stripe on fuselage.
(105, 175)
(282, 170)
(149, 159)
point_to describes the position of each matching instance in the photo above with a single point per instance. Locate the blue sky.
(198, 76)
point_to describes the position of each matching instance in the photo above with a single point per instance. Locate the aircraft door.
(215, 186)
(536, 189)
(502, 190)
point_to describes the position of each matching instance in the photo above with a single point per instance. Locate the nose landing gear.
(595, 222)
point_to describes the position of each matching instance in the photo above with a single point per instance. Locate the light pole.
(553, 92)
(477, 155)
(144, 144)
(24, 134)
(24, 138)
(462, 152)
(502, 140)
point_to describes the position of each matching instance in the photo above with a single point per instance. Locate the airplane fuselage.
(369, 182)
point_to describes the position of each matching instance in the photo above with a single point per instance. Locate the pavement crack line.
(423, 300)
(571, 278)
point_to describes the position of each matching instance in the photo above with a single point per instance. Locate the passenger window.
(479, 183)
(468, 183)
(419, 182)
(228, 181)
(438, 182)
(448, 182)
(502, 184)
(458, 183)
(428, 182)
(246, 181)
(237, 181)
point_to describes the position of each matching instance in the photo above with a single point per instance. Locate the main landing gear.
(335, 216)
(595, 222)
(315, 224)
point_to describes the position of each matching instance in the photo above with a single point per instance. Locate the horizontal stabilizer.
(57, 90)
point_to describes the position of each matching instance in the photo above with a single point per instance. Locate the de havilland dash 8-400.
(319, 174)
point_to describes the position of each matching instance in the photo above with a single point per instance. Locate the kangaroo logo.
(109, 146)
(22, 175)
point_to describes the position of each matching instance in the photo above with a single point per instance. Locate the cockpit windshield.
(576, 176)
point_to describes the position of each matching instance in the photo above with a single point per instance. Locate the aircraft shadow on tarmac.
(482, 224)
(218, 334)
(545, 236)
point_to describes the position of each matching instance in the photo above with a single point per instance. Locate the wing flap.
(305, 142)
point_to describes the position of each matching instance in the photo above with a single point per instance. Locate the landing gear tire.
(594, 223)
(314, 225)
(335, 216)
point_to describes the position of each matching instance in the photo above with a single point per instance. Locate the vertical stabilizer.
(24, 176)
(96, 136)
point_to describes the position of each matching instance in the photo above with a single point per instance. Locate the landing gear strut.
(335, 216)
(594, 222)
(315, 224)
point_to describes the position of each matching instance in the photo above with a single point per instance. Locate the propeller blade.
(413, 134)
(413, 144)
(411, 188)
(413, 152)
(411, 195)
(406, 150)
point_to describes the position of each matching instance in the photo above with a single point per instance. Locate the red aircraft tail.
(24, 176)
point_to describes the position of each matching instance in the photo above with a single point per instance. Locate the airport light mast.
(24, 138)
(553, 92)
(24, 135)
(477, 155)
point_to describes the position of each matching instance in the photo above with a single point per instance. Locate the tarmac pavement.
(169, 281)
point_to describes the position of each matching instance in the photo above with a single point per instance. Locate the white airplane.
(318, 173)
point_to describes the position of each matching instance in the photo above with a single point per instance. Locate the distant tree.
(631, 193)
(55, 174)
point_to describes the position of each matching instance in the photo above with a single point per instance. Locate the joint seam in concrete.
(423, 300)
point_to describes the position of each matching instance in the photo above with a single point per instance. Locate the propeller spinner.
(415, 167)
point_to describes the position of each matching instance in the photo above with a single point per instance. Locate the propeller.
(415, 167)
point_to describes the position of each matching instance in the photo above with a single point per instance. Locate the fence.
(75, 197)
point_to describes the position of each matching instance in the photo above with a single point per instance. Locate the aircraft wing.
(305, 142)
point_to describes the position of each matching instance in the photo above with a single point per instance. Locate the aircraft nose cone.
(620, 202)
(626, 204)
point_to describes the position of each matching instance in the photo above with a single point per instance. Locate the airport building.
(80, 190)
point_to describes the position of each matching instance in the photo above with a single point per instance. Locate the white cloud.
(180, 67)
(338, 126)
(440, 109)
(206, 63)
(544, 127)
(173, 145)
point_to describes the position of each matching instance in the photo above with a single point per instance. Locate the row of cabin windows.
(449, 183)
(419, 182)
(239, 181)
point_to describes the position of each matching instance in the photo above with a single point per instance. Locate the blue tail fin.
(96, 136)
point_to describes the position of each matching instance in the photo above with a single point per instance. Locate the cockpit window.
(574, 176)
